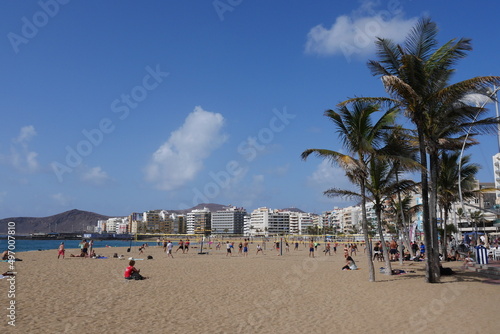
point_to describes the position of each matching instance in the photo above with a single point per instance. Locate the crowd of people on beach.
(350, 250)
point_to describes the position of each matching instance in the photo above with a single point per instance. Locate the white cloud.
(181, 157)
(279, 170)
(95, 175)
(354, 35)
(20, 157)
(327, 176)
(61, 199)
(25, 134)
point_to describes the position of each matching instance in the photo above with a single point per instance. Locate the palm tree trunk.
(388, 268)
(371, 269)
(445, 251)
(434, 251)
(431, 276)
(404, 237)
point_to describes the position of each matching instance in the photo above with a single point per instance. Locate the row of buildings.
(270, 222)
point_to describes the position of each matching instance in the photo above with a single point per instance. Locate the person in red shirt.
(132, 272)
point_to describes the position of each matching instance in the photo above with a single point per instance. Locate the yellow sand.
(213, 293)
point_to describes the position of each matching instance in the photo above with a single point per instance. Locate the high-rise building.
(228, 221)
(198, 221)
(496, 173)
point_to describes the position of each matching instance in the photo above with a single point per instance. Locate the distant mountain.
(210, 206)
(293, 210)
(69, 221)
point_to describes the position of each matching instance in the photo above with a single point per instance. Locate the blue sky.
(122, 106)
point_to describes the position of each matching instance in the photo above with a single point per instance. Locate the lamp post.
(490, 95)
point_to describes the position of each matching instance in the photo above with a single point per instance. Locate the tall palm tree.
(360, 137)
(416, 75)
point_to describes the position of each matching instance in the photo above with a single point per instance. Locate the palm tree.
(400, 210)
(416, 75)
(448, 188)
(380, 185)
(360, 137)
(402, 144)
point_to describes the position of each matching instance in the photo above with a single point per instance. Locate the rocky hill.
(69, 221)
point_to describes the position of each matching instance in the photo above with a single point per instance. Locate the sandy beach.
(213, 293)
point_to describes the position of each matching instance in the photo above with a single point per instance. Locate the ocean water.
(34, 245)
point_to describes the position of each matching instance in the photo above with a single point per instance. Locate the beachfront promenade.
(214, 293)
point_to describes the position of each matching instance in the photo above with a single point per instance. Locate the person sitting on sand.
(350, 264)
(132, 272)
(61, 250)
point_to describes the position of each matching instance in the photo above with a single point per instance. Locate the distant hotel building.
(198, 221)
(229, 221)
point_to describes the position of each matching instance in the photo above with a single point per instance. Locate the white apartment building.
(198, 221)
(229, 221)
(264, 221)
(112, 224)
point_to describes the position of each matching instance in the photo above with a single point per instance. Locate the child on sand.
(132, 272)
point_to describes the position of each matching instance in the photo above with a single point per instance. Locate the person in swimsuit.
(181, 246)
(311, 249)
(245, 248)
(61, 250)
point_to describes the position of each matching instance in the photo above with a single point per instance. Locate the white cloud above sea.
(354, 35)
(21, 157)
(182, 156)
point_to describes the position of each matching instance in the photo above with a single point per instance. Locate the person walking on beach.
(165, 245)
(91, 247)
(186, 245)
(169, 248)
(245, 248)
(228, 249)
(181, 246)
(393, 250)
(296, 245)
(335, 245)
(311, 249)
(61, 250)
(354, 249)
(327, 249)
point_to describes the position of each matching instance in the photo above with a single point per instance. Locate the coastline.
(259, 293)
